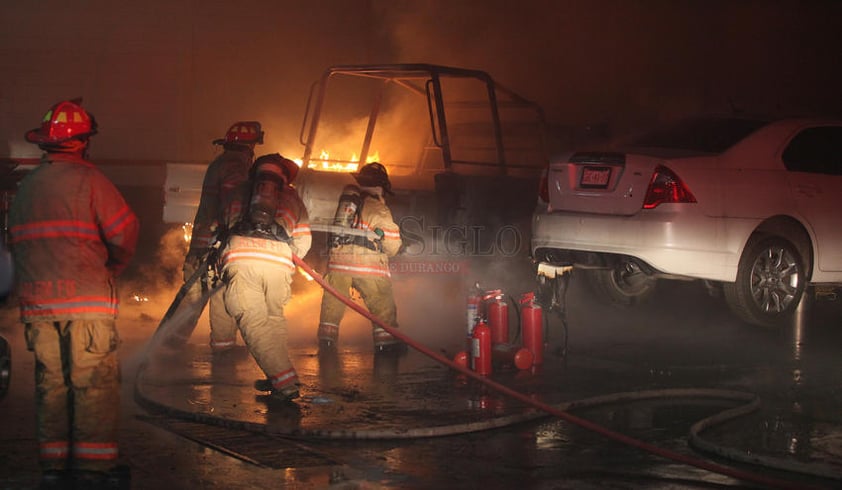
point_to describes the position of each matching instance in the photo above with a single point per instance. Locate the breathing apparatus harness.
(264, 198)
(267, 231)
(348, 215)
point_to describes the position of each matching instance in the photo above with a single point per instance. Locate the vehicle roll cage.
(424, 80)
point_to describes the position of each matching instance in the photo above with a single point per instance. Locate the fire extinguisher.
(498, 318)
(532, 327)
(481, 349)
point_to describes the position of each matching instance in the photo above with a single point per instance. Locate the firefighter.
(267, 224)
(224, 174)
(72, 233)
(363, 264)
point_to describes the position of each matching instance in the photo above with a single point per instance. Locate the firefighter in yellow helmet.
(267, 224)
(224, 174)
(72, 233)
(363, 264)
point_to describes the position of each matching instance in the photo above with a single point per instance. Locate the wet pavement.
(193, 420)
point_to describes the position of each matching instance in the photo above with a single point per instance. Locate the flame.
(369, 159)
(187, 228)
(337, 165)
(139, 297)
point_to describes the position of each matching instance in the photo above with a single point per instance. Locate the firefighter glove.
(378, 244)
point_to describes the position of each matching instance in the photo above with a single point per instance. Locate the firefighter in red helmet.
(267, 224)
(224, 174)
(72, 233)
(363, 264)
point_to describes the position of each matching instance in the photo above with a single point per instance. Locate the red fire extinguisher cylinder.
(498, 320)
(481, 349)
(532, 326)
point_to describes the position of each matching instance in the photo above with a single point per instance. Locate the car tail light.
(544, 186)
(666, 187)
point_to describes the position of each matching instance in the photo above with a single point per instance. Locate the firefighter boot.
(327, 346)
(393, 348)
(118, 478)
(263, 385)
(385, 343)
(56, 480)
(286, 393)
(328, 334)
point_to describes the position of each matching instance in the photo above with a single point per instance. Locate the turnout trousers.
(376, 292)
(77, 393)
(255, 295)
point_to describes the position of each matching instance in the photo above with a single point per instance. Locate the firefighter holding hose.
(224, 174)
(356, 261)
(267, 224)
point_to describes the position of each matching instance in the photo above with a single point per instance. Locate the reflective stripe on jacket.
(358, 260)
(71, 233)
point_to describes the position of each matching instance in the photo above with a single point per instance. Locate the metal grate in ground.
(258, 449)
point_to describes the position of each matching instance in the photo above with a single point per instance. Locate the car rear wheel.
(624, 285)
(770, 282)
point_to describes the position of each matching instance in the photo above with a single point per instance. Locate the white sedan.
(751, 205)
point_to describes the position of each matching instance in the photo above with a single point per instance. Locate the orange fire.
(187, 229)
(351, 165)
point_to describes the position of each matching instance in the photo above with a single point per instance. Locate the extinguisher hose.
(560, 411)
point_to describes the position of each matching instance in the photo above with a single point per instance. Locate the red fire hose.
(630, 441)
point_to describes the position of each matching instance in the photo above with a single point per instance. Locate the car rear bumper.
(696, 247)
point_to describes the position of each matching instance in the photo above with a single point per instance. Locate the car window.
(706, 134)
(815, 150)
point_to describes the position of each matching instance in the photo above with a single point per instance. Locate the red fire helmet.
(64, 121)
(243, 133)
(274, 163)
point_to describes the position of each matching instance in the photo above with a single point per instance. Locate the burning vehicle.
(464, 154)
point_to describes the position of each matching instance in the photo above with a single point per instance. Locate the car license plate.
(595, 177)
